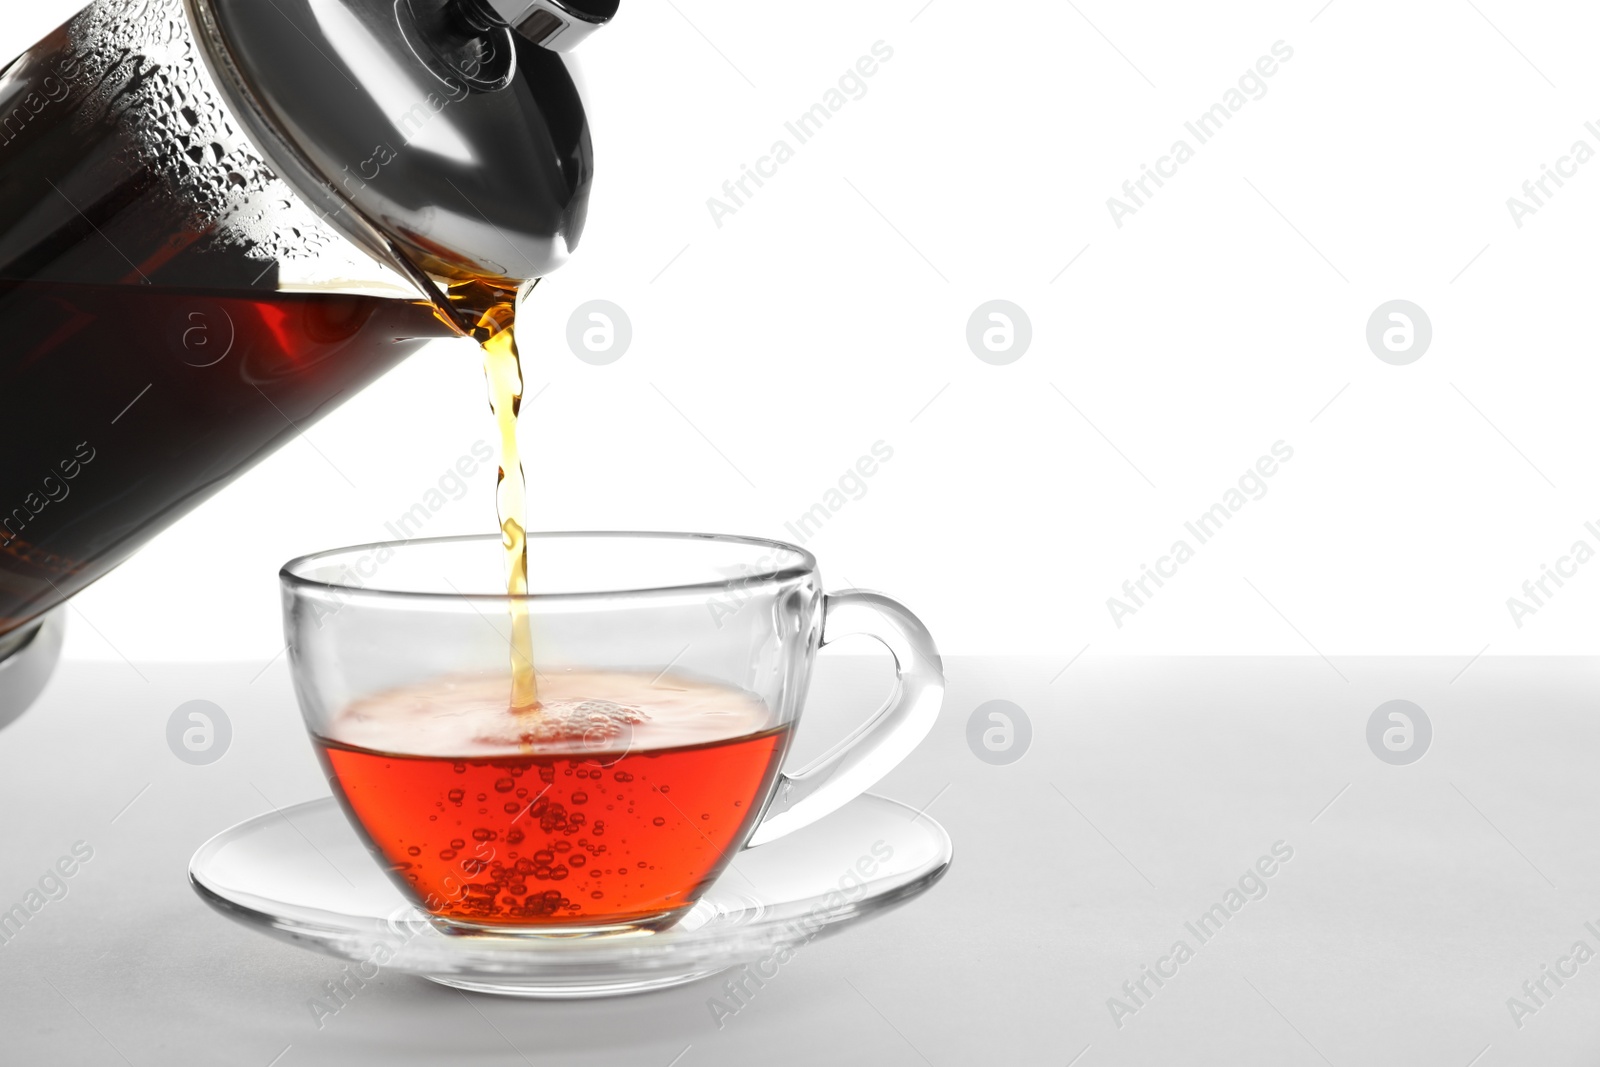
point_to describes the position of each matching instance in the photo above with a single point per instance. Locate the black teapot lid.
(442, 136)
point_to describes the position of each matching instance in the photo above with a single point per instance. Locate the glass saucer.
(303, 875)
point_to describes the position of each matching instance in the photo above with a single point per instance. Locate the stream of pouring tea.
(496, 312)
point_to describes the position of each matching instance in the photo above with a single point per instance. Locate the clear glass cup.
(675, 611)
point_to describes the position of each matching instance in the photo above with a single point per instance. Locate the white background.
(1222, 317)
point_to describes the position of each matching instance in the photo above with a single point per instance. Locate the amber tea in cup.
(618, 801)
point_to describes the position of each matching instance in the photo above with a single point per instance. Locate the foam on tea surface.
(579, 713)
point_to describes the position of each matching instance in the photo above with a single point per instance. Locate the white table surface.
(1414, 906)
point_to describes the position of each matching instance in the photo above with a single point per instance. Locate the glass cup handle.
(852, 766)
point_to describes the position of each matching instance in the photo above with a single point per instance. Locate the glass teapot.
(220, 218)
